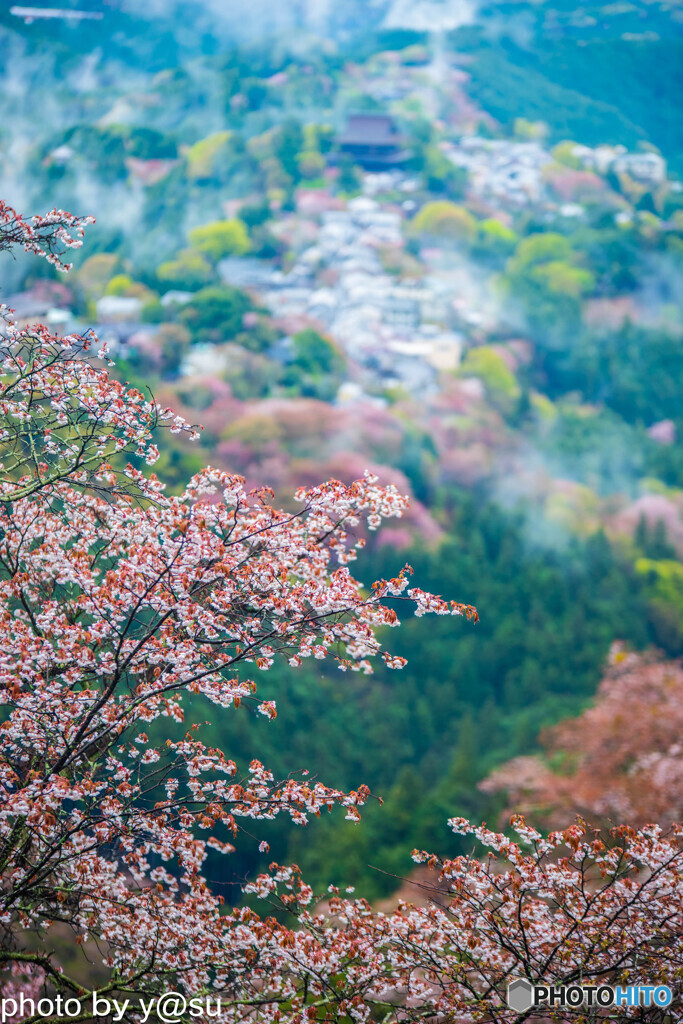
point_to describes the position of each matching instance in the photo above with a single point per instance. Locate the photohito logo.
(523, 995)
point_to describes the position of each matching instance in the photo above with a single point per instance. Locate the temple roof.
(370, 130)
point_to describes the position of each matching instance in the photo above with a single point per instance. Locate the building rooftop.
(370, 130)
(374, 140)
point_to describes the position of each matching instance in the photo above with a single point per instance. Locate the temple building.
(373, 141)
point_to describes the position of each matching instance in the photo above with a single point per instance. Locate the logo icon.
(520, 995)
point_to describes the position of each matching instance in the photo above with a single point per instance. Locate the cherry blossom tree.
(49, 235)
(117, 602)
(562, 910)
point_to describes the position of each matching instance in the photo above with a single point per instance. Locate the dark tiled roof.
(371, 130)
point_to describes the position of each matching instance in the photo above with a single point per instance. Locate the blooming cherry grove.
(118, 604)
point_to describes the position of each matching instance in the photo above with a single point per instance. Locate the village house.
(647, 168)
(401, 311)
(245, 272)
(508, 171)
(118, 307)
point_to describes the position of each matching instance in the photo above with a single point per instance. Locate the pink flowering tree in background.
(621, 760)
(118, 604)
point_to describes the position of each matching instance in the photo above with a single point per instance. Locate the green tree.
(189, 270)
(544, 277)
(101, 146)
(664, 589)
(445, 220)
(310, 164)
(349, 174)
(564, 153)
(316, 365)
(255, 214)
(441, 175)
(494, 242)
(149, 144)
(561, 278)
(174, 341)
(490, 367)
(215, 314)
(315, 354)
(636, 371)
(221, 238)
(289, 141)
(95, 273)
(538, 249)
(206, 158)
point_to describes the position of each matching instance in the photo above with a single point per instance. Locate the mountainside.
(479, 297)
